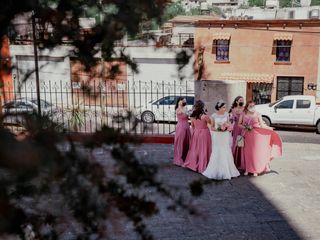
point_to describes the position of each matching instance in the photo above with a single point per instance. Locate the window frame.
(290, 90)
(289, 100)
(303, 100)
(216, 46)
(283, 48)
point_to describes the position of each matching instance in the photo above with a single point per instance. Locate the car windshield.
(44, 104)
(274, 103)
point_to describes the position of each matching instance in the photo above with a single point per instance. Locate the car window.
(43, 103)
(190, 100)
(9, 105)
(303, 104)
(285, 104)
(169, 100)
(272, 104)
(23, 105)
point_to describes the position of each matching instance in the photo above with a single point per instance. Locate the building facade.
(275, 57)
(258, 13)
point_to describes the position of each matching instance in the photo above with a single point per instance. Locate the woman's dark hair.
(198, 110)
(245, 110)
(219, 105)
(177, 103)
(235, 103)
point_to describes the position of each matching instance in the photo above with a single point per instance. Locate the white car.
(13, 110)
(162, 109)
(294, 110)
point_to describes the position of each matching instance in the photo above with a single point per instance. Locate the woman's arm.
(262, 124)
(192, 122)
(240, 123)
(212, 123)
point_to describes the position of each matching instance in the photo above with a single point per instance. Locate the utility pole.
(36, 67)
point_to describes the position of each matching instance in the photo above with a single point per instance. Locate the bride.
(221, 164)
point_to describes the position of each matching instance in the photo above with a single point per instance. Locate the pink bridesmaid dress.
(236, 151)
(200, 146)
(261, 146)
(181, 139)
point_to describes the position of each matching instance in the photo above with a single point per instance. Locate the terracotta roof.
(283, 36)
(259, 23)
(249, 77)
(167, 25)
(221, 36)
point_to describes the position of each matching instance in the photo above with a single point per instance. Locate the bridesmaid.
(235, 113)
(261, 143)
(201, 144)
(183, 135)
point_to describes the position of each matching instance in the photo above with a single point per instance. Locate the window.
(190, 100)
(303, 104)
(169, 100)
(9, 105)
(289, 86)
(291, 14)
(285, 104)
(43, 103)
(23, 105)
(186, 40)
(274, 103)
(261, 92)
(283, 50)
(221, 49)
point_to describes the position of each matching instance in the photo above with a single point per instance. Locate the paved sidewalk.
(284, 204)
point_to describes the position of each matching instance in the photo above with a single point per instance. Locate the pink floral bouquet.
(224, 127)
(248, 127)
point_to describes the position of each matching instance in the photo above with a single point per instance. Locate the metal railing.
(139, 107)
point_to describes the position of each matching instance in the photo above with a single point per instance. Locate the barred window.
(221, 49)
(283, 50)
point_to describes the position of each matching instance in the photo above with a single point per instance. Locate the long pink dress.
(236, 151)
(261, 146)
(201, 145)
(181, 139)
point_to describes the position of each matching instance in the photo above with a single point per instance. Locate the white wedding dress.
(221, 164)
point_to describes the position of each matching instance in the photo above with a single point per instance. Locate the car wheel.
(266, 121)
(318, 127)
(147, 117)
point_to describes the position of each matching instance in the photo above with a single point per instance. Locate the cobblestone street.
(284, 204)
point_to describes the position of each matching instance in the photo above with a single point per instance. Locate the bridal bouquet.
(224, 127)
(248, 127)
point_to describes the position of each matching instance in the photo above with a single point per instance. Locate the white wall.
(54, 73)
(158, 74)
(181, 28)
(279, 13)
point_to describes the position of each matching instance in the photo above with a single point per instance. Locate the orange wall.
(251, 52)
(93, 77)
(5, 71)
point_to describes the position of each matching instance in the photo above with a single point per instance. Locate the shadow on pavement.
(235, 209)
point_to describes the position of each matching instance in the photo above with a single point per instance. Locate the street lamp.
(36, 67)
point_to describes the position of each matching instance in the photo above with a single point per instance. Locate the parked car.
(294, 110)
(14, 109)
(162, 109)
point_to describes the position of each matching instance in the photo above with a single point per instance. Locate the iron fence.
(140, 107)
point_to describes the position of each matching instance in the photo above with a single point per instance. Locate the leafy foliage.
(57, 188)
(315, 2)
(257, 3)
(53, 187)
